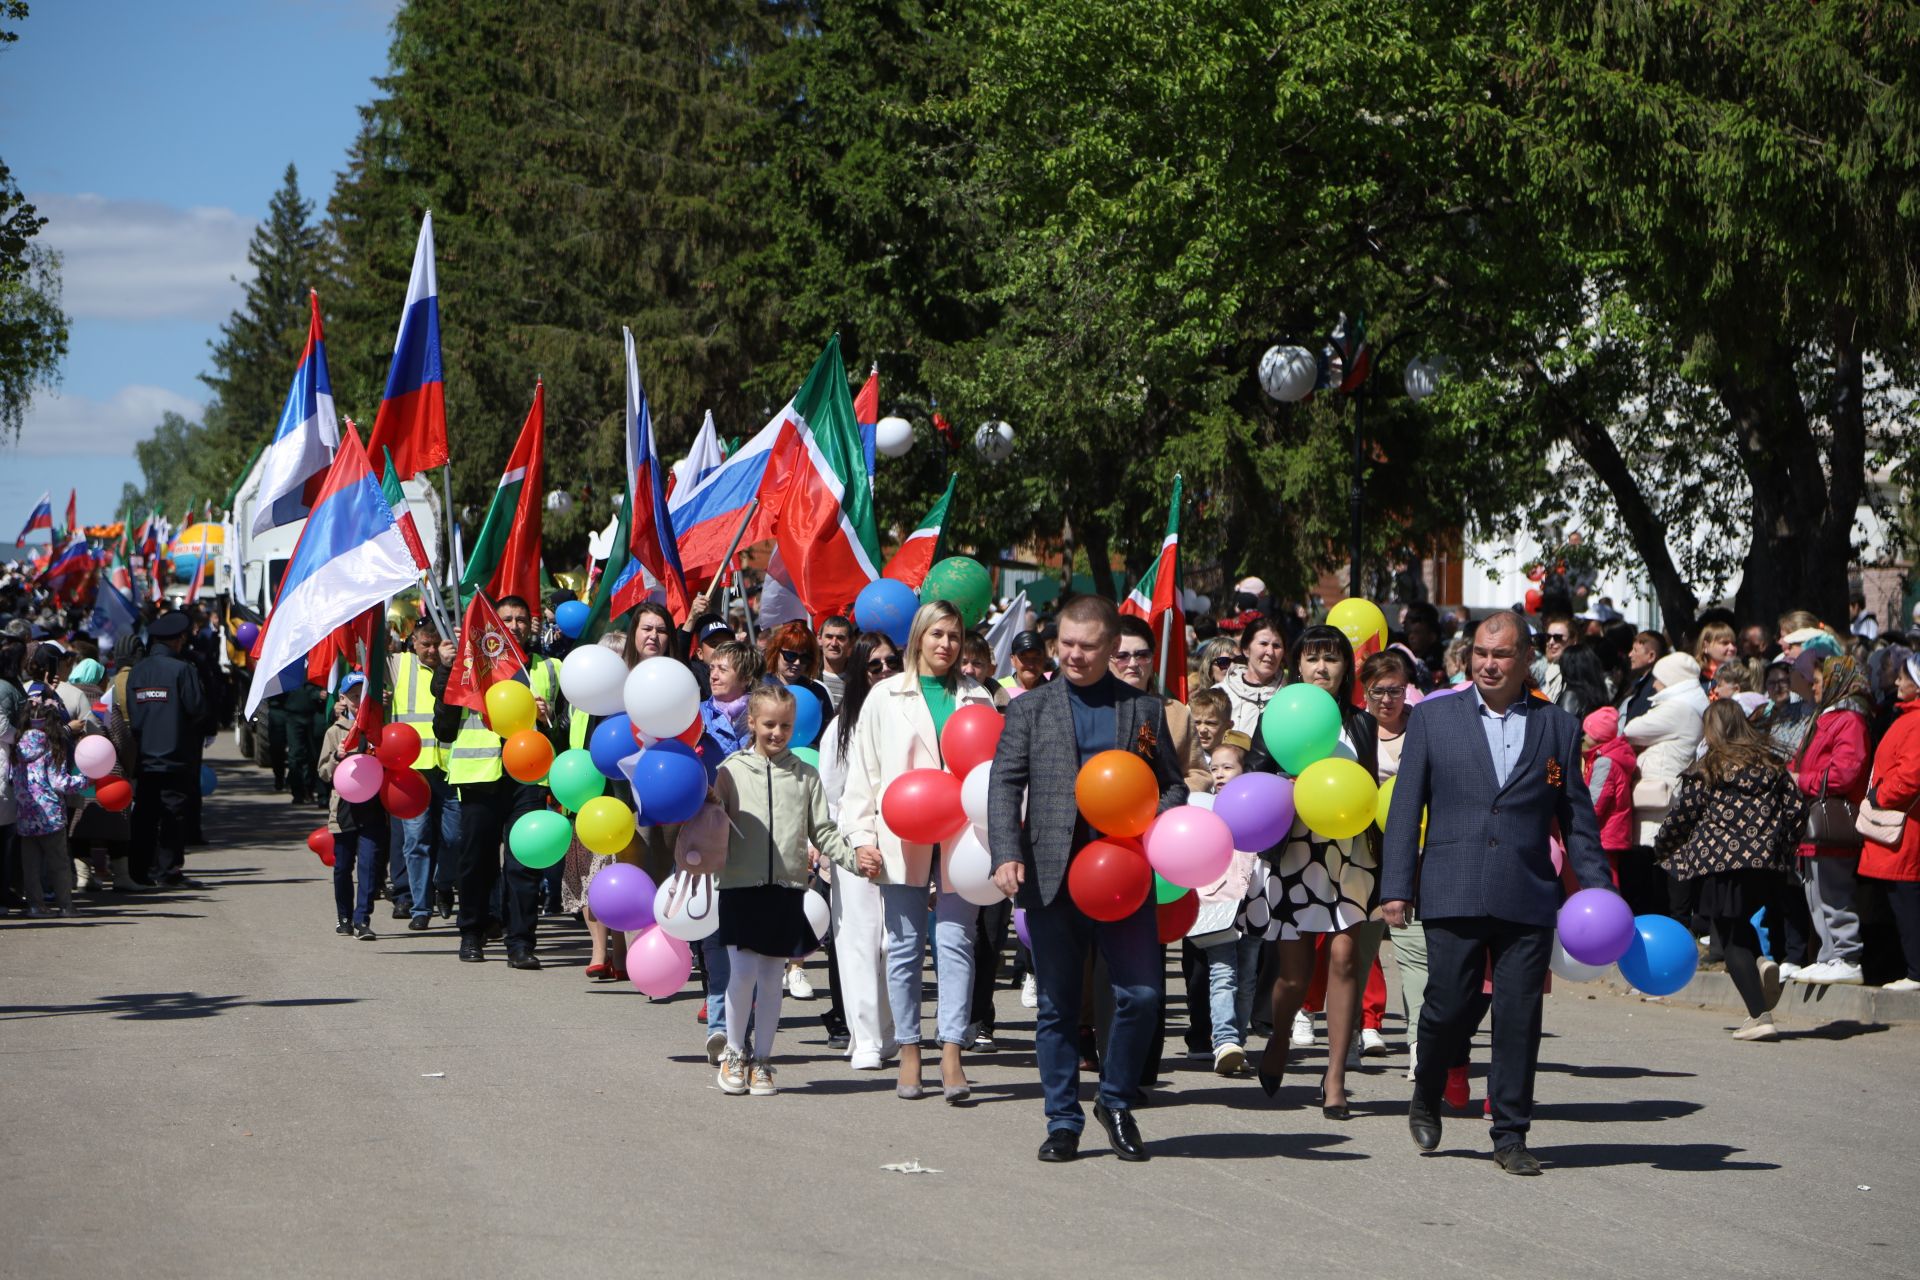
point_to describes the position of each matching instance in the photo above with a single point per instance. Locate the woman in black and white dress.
(1309, 885)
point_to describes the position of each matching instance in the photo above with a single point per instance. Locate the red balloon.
(114, 794)
(691, 734)
(404, 793)
(1534, 599)
(399, 746)
(321, 842)
(970, 737)
(326, 859)
(923, 806)
(1108, 881)
(1176, 917)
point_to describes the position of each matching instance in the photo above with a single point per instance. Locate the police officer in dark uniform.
(169, 715)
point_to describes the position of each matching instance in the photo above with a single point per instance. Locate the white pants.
(861, 952)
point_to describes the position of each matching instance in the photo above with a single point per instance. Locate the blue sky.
(152, 136)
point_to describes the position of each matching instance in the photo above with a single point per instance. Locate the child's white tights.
(753, 993)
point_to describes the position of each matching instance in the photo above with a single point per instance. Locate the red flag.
(369, 639)
(505, 557)
(73, 506)
(488, 654)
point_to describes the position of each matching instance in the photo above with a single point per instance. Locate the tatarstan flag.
(402, 513)
(922, 547)
(505, 560)
(1156, 598)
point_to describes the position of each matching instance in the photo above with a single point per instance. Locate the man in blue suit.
(1494, 770)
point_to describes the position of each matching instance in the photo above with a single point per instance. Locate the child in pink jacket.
(1610, 766)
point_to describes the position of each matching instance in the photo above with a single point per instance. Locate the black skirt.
(768, 918)
(1737, 895)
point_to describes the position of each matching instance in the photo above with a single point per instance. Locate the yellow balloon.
(1385, 804)
(604, 825)
(1335, 798)
(510, 708)
(1363, 624)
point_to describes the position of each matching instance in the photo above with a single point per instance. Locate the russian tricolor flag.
(350, 557)
(412, 422)
(42, 518)
(296, 461)
(655, 563)
(71, 566)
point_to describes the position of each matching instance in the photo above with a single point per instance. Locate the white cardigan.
(895, 734)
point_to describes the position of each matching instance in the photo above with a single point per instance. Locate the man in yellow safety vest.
(427, 842)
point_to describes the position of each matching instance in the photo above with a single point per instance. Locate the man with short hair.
(836, 650)
(1493, 771)
(1648, 648)
(1051, 732)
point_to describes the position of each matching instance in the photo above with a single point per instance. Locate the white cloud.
(62, 426)
(141, 260)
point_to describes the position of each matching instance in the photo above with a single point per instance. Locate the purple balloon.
(1020, 927)
(245, 634)
(1596, 926)
(622, 897)
(1257, 808)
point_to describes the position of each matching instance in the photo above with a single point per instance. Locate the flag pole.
(726, 568)
(446, 499)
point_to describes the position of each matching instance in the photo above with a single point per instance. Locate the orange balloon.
(527, 755)
(1117, 793)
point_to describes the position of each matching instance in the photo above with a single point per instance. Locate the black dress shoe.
(418, 924)
(402, 909)
(522, 960)
(495, 930)
(471, 952)
(443, 903)
(1423, 1124)
(1122, 1133)
(1061, 1146)
(838, 1040)
(1517, 1159)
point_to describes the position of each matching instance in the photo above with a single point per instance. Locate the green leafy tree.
(33, 329)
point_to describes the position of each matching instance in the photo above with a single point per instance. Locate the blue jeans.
(719, 972)
(359, 851)
(427, 839)
(1230, 975)
(903, 920)
(1061, 934)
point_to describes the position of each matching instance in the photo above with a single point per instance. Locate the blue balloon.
(711, 753)
(571, 617)
(806, 716)
(612, 741)
(1662, 956)
(208, 782)
(670, 783)
(887, 606)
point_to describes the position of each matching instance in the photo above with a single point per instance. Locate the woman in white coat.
(1666, 739)
(899, 730)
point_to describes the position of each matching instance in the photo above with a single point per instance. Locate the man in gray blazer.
(1494, 769)
(1050, 732)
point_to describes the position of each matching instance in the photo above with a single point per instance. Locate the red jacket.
(1613, 799)
(1896, 785)
(1836, 750)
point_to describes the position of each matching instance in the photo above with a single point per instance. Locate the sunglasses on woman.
(890, 663)
(795, 656)
(1225, 661)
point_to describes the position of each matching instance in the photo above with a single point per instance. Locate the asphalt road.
(215, 1084)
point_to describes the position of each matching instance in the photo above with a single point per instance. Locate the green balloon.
(575, 780)
(962, 582)
(1165, 890)
(1301, 725)
(540, 839)
(808, 754)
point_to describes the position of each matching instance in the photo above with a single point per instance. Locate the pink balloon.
(1190, 846)
(94, 756)
(358, 778)
(659, 963)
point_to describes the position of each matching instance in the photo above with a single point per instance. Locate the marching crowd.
(1754, 784)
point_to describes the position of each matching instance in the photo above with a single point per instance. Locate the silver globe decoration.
(994, 441)
(893, 437)
(559, 501)
(1422, 377)
(1287, 373)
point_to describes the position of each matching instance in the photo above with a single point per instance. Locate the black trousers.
(487, 813)
(989, 936)
(162, 822)
(1457, 954)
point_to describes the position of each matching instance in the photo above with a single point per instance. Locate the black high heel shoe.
(1270, 1084)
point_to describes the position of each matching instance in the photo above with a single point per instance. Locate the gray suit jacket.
(1486, 853)
(1036, 764)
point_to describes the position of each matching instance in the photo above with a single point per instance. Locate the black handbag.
(1832, 820)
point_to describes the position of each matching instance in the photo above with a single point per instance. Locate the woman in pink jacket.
(1894, 859)
(1834, 758)
(1611, 766)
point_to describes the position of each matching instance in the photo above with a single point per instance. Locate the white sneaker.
(716, 1047)
(1902, 984)
(866, 1060)
(760, 1080)
(797, 985)
(1769, 982)
(1413, 1056)
(1790, 972)
(1229, 1059)
(1832, 973)
(1029, 993)
(1372, 1043)
(1302, 1030)
(1757, 1028)
(733, 1074)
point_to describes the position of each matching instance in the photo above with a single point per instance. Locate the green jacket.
(777, 806)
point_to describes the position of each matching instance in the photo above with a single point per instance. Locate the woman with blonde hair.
(1715, 646)
(899, 731)
(1211, 662)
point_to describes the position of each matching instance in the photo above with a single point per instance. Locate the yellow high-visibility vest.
(413, 704)
(474, 755)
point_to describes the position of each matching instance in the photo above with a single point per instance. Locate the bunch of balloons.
(1170, 855)
(387, 774)
(1597, 928)
(1336, 798)
(948, 807)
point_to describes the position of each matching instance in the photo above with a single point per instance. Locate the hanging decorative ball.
(1287, 374)
(893, 437)
(1422, 378)
(559, 501)
(994, 441)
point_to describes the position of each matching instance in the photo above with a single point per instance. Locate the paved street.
(214, 1084)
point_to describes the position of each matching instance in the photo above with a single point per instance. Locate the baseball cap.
(1028, 642)
(715, 629)
(353, 681)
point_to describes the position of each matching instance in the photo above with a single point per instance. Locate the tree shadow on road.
(1253, 1146)
(1599, 1072)
(1681, 1157)
(158, 1006)
(1640, 1109)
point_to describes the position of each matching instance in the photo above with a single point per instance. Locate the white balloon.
(687, 906)
(819, 914)
(893, 437)
(973, 793)
(1287, 374)
(559, 501)
(1201, 800)
(994, 441)
(591, 677)
(1565, 966)
(968, 870)
(661, 697)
